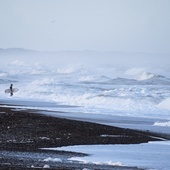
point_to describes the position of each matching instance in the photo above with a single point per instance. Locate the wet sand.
(24, 132)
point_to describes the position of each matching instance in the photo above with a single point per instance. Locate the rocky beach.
(24, 132)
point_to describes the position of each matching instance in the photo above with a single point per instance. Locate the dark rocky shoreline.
(24, 131)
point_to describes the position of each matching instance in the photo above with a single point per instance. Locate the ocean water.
(102, 89)
(136, 97)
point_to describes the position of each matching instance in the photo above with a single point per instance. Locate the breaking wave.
(106, 90)
(165, 104)
(162, 124)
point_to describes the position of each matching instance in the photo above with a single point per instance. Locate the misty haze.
(85, 84)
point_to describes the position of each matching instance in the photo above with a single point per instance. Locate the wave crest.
(145, 76)
(162, 124)
(165, 104)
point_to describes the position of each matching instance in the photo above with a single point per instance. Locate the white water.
(125, 96)
(117, 91)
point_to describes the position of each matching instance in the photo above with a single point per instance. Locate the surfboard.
(13, 90)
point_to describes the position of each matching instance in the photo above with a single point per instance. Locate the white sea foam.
(140, 74)
(162, 123)
(92, 88)
(145, 76)
(18, 63)
(87, 78)
(52, 159)
(165, 104)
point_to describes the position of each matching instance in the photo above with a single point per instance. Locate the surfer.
(11, 90)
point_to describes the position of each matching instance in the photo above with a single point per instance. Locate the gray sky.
(104, 25)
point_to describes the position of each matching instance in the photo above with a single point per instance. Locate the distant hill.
(16, 51)
(88, 56)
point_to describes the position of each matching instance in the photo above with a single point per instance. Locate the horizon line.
(81, 51)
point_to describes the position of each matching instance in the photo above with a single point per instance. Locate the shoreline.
(25, 131)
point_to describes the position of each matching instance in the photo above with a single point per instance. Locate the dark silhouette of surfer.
(11, 89)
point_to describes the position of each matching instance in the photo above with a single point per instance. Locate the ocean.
(96, 89)
(110, 92)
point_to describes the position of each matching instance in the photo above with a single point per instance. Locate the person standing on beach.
(11, 89)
